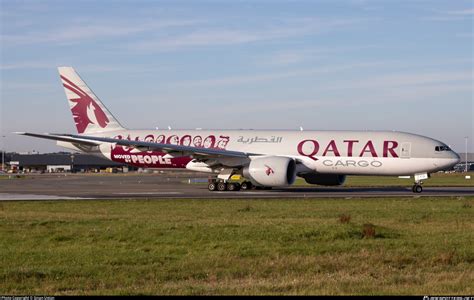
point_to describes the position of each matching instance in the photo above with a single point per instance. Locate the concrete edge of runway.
(293, 193)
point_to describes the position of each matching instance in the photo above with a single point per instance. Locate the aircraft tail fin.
(89, 113)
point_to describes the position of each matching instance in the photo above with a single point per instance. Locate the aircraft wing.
(59, 137)
(141, 145)
(168, 148)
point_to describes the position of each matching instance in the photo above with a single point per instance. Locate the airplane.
(263, 158)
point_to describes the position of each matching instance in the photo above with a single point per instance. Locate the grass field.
(437, 179)
(413, 245)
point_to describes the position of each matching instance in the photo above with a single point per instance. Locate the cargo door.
(406, 150)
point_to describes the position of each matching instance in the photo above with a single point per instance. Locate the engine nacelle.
(271, 171)
(324, 179)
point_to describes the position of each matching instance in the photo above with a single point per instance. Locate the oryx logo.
(85, 111)
(269, 170)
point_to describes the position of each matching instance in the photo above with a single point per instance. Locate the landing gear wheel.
(417, 189)
(246, 185)
(221, 186)
(212, 186)
(233, 187)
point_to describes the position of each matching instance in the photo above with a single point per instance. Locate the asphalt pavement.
(181, 185)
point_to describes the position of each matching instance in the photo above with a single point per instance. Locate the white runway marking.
(150, 193)
(245, 193)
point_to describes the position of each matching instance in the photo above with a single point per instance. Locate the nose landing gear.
(417, 188)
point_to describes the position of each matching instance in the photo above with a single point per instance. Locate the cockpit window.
(442, 148)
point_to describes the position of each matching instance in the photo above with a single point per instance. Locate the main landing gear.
(221, 186)
(246, 185)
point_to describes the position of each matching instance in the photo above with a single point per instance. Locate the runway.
(153, 186)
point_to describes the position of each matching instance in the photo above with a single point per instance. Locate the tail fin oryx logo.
(269, 171)
(85, 111)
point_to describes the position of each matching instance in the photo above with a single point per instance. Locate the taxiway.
(103, 186)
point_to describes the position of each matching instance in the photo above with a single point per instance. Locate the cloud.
(466, 12)
(91, 68)
(451, 15)
(445, 18)
(199, 38)
(244, 79)
(392, 80)
(25, 65)
(404, 80)
(465, 35)
(158, 34)
(378, 95)
(173, 34)
(387, 88)
(85, 30)
(290, 57)
(294, 56)
(217, 36)
(7, 86)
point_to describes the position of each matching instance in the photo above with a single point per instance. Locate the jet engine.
(324, 179)
(271, 171)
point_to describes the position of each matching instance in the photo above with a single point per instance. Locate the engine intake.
(271, 171)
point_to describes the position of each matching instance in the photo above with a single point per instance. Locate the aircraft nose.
(457, 158)
(453, 160)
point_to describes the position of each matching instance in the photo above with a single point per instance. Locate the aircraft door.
(406, 150)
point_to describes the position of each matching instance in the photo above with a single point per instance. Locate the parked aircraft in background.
(265, 158)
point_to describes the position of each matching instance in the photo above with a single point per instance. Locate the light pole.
(72, 163)
(466, 137)
(3, 154)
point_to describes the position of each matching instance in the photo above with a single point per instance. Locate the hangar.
(62, 162)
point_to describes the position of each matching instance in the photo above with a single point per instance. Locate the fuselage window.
(442, 148)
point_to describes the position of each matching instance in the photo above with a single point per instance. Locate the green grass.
(437, 179)
(420, 246)
(12, 176)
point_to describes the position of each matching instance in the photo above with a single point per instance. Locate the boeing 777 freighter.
(268, 158)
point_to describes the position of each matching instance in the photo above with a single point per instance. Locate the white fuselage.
(324, 152)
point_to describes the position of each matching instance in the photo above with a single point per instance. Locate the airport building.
(61, 162)
(461, 166)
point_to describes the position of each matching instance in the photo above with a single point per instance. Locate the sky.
(323, 65)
